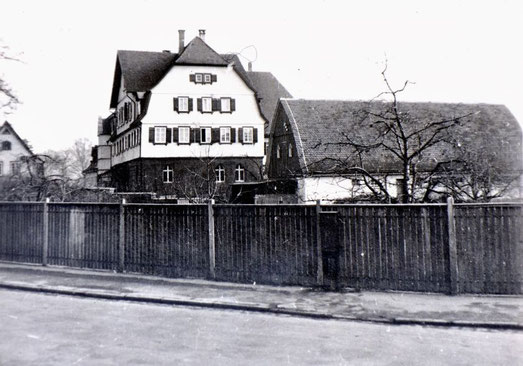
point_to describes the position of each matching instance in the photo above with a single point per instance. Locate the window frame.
(210, 105)
(208, 135)
(229, 110)
(239, 174)
(168, 174)
(186, 99)
(244, 140)
(224, 131)
(184, 128)
(219, 171)
(16, 167)
(160, 128)
(6, 146)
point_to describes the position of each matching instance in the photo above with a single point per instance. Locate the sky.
(451, 51)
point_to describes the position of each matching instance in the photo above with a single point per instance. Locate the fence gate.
(330, 228)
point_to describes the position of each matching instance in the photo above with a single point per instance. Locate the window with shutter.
(198, 78)
(205, 135)
(206, 105)
(225, 105)
(184, 135)
(225, 135)
(160, 135)
(248, 135)
(207, 78)
(183, 104)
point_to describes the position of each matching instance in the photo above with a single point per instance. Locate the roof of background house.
(269, 92)
(320, 125)
(7, 126)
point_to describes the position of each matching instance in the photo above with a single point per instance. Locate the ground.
(59, 330)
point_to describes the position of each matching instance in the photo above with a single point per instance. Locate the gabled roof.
(319, 124)
(7, 127)
(269, 91)
(140, 70)
(197, 52)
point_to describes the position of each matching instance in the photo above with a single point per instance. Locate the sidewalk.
(382, 307)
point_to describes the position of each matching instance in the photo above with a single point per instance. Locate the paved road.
(59, 330)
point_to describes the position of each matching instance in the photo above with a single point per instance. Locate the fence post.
(453, 251)
(212, 242)
(45, 246)
(319, 257)
(121, 237)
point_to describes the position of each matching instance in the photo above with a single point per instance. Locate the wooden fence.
(452, 248)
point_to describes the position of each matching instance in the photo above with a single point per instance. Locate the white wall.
(311, 189)
(229, 84)
(7, 156)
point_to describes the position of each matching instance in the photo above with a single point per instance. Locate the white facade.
(135, 143)
(11, 150)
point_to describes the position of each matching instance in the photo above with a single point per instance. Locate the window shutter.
(196, 135)
(151, 134)
(215, 135)
(254, 135)
(175, 135)
(199, 104)
(215, 104)
(168, 135)
(214, 78)
(175, 104)
(192, 133)
(191, 78)
(233, 105)
(233, 135)
(190, 105)
(240, 135)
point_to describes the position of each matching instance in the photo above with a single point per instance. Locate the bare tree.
(392, 134)
(8, 99)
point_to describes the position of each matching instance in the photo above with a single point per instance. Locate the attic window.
(6, 145)
(201, 78)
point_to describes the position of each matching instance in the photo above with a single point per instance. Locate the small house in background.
(14, 151)
(187, 125)
(309, 145)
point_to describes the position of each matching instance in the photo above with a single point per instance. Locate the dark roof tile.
(269, 91)
(320, 124)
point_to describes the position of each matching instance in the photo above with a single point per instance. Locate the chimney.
(202, 34)
(181, 37)
(249, 66)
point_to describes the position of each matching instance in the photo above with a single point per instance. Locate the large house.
(186, 124)
(13, 151)
(329, 150)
